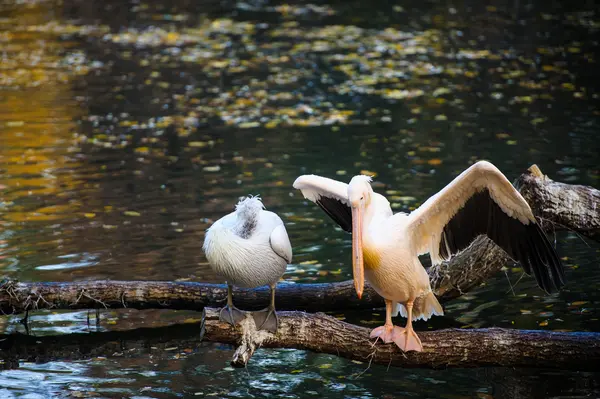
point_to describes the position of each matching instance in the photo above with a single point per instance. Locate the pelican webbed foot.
(231, 315)
(266, 319)
(386, 333)
(407, 340)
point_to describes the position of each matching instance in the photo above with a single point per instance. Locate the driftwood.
(561, 206)
(441, 348)
(320, 333)
(550, 202)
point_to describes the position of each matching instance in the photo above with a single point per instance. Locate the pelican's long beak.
(357, 251)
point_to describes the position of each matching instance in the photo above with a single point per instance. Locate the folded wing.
(482, 201)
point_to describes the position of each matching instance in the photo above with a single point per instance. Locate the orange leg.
(407, 339)
(387, 332)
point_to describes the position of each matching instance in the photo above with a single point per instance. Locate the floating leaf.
(15, 123)
(142, 150)
(578, 303)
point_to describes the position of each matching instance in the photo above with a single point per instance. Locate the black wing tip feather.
(337, 211)
(548, 267)
(526, 244)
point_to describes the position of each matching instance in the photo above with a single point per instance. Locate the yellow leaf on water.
(272, 124)
(142, 150)
(568, 86)
(248, 125)
(308, 262)
(132, 213)
(197, 144)
(89, 215)
(325, 366)
(368, 173)
(578, 303)
(435, 161)
(543, 323)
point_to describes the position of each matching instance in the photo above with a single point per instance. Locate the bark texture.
(441, 349)
(561, 206)
(320, 333)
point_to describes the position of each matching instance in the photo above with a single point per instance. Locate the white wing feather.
(280, 242)
(427, 222)
(313, 187)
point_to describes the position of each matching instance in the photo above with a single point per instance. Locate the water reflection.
(127, 128)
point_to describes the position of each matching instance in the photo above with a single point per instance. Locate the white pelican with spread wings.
(385, 247)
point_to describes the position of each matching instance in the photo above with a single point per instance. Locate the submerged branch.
(555, 204)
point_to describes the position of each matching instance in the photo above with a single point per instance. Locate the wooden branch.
(550, 201)
(16, 297)
(561, 206)
(324, 334)
(442, 348)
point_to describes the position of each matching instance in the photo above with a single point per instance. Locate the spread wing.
(331, 195)
(280, 242)
(482, 201)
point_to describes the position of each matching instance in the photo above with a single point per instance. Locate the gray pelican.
(385, 247)
(249, 248)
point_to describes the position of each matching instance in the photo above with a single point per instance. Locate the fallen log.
(17, 297)
(441, 349)
(464, 272)
(561, 206)
(446, 348)
(320, 333)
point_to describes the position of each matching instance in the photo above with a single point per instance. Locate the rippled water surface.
(126, 128)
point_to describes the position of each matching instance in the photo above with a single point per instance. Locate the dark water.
(126, 128)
